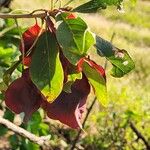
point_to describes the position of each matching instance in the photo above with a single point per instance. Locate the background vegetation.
(106, 128)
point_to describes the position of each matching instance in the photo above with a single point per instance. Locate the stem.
(68, 3)
(15, 16)
(22, 41)
(139, 135)
(52, 4)
(42, 141)
(85, 119)
(30, 15)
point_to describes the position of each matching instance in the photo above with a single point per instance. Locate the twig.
(30, 15)
(15, 16)
(139, 135)
(43, 141)
(85, 119)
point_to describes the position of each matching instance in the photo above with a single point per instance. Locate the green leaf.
(3, 86)
(98, 82)
(46, 69)
(7, 115)
(14, 141)
(8, 73)
(74, 37)
(71, 79)
(120, 59)
(6, 52)
(93, 5)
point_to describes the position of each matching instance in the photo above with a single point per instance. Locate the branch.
(139, 135)
(43, 141)
(85, 119)
(30, 15)
(16, 16)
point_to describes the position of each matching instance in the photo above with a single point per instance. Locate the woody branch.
(43, 141)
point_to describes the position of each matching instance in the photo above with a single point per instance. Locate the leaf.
(3, 86)
(120, 59)
(89, 7)
(23, 96)
(93, 5)
(6, 52)
(29, 37)
(46, 69)
(8, 73)
(78, 39)
(98, 82)
(71, 79)
(69, 107)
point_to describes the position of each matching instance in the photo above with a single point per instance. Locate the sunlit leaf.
(74, 37)
(7, 74)
(71, 79)
(46, 69)
(120, 59)
(69, 107)
(98, 82)
(93, 5)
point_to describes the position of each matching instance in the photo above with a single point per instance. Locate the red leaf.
(68, 107)
(67, 66)
(27, 61)
(71, 16)
(99, 68)
(23, 96)
(29, 37)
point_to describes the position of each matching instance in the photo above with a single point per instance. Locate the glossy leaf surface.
(68, 107)
(120, 59)
(93, 5)
(96, 76)
(74, 37)
(46, 69)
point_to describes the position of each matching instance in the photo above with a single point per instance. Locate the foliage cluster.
(67, 22)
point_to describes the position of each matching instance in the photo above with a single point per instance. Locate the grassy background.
(130, 95)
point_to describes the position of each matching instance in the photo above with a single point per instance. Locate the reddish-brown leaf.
(97, 67)
(68, 107)
(29, 37)
(23, 96)
(72, 16)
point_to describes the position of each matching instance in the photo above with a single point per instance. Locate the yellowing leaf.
(46, 69)
(98, 83)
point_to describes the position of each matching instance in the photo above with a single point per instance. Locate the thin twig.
(85, 119)
(13, 16)
(22, 41)
(139, 135)
(68, 3)
(43, 141)
(29, 15)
